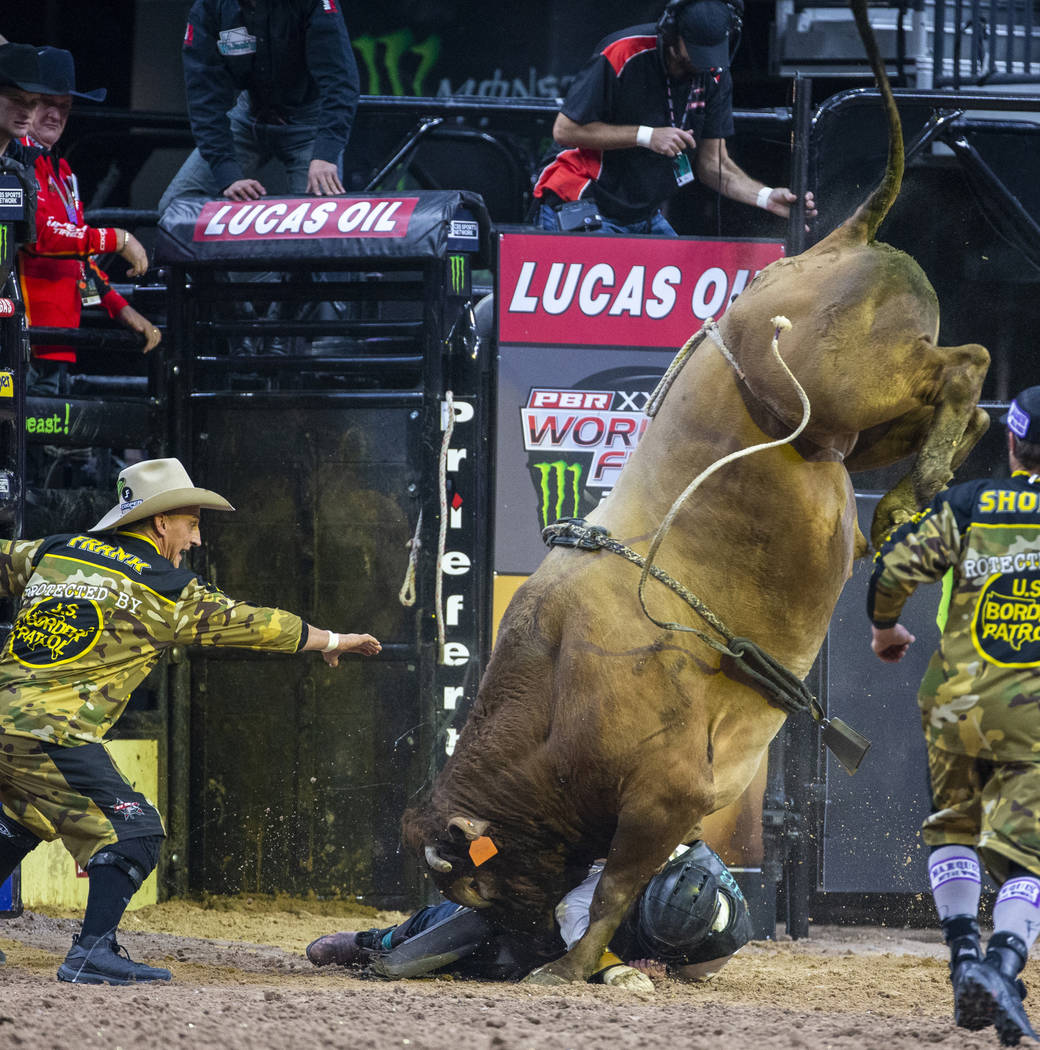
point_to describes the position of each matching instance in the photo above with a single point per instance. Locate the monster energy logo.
(560, 486)
(4, 248)
(396, 47)
(458, 273)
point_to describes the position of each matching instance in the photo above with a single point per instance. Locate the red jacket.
(52, 267)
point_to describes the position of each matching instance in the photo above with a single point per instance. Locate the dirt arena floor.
(241, 982)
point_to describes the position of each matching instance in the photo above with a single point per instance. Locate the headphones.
(668, 23)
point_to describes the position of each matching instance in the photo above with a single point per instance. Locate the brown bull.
(595, 732)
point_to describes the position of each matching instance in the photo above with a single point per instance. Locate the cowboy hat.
(58, 72)
(20, 67)
(152, 487)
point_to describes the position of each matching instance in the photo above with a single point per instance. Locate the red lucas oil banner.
(273, 220)
(566, 290)
(587, 326)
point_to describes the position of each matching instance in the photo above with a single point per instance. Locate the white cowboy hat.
(153, 486)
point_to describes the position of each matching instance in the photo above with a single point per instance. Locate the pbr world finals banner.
(586, 327)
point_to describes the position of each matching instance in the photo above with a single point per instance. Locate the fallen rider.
(687, 923)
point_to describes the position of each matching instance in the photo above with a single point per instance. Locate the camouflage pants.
(76, 794)
(993, 806)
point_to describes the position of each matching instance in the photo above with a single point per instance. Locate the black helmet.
(691, 911)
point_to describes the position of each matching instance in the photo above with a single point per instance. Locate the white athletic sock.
(956, 880)
(1017, 908)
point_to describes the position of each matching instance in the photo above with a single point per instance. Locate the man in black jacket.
(266, 80)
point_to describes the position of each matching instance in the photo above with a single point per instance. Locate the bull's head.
(512, 868)
(456, 858)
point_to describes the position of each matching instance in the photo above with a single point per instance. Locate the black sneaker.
(974, 995)
(986, 996)
(339, 948)
(99, 960)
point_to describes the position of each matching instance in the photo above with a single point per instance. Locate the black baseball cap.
(705, 27)
(1023, 416)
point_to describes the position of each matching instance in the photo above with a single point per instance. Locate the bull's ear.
(471, 827)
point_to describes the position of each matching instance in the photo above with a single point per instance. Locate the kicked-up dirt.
(242, 982)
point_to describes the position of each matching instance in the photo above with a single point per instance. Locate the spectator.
(647, 114)
(20, 88)
(58, 274)
(293, 71)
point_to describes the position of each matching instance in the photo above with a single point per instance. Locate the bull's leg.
(641, 844)
(955, 427)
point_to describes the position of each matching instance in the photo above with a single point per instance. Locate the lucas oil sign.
(587, 326)
(619, 291)
(273, 220)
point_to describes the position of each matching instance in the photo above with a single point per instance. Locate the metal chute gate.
(314, 348)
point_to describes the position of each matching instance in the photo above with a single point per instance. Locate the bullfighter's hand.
(670, 142)
(134, 253)
(650, 967)
(245, 190)
(323, 179)
(627, 977)
(364, 644)
(891, 643)
(139, 323)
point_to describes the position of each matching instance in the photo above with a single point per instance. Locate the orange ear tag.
(481, 850)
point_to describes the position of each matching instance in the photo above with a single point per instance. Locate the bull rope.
(711, 329)
(781, 686)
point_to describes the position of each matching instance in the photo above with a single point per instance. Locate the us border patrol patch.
(1006, 629)
(54, 631)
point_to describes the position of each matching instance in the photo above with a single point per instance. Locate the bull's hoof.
(546, 975)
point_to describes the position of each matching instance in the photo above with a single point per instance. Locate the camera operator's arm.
(716, 169)
(596, 135)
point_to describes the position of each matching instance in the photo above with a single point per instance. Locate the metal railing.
(990, 41)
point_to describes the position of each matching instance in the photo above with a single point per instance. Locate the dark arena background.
(396, 418)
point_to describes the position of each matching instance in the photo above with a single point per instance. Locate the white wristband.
(643, 136)
(762, 200)
(333, 643)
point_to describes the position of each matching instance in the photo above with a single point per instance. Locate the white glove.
(629, 979)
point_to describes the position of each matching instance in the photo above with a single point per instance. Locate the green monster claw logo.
(560, 485)
(4, 227)
(396, 48)
(458, 273)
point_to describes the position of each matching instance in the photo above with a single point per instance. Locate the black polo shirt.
(625, 82)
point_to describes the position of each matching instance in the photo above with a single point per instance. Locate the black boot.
(961, 933)
(99, 960)
(992, 988)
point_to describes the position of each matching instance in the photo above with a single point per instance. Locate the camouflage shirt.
(95, 613)
(981, 692)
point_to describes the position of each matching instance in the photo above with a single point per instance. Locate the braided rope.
(406, 596)
(781, 324)
(442, 492)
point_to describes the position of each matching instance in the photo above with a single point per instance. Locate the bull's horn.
(472, 829)
(435, 861)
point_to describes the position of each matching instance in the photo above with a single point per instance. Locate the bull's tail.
(871, 213)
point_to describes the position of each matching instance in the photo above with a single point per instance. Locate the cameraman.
(648, 113)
